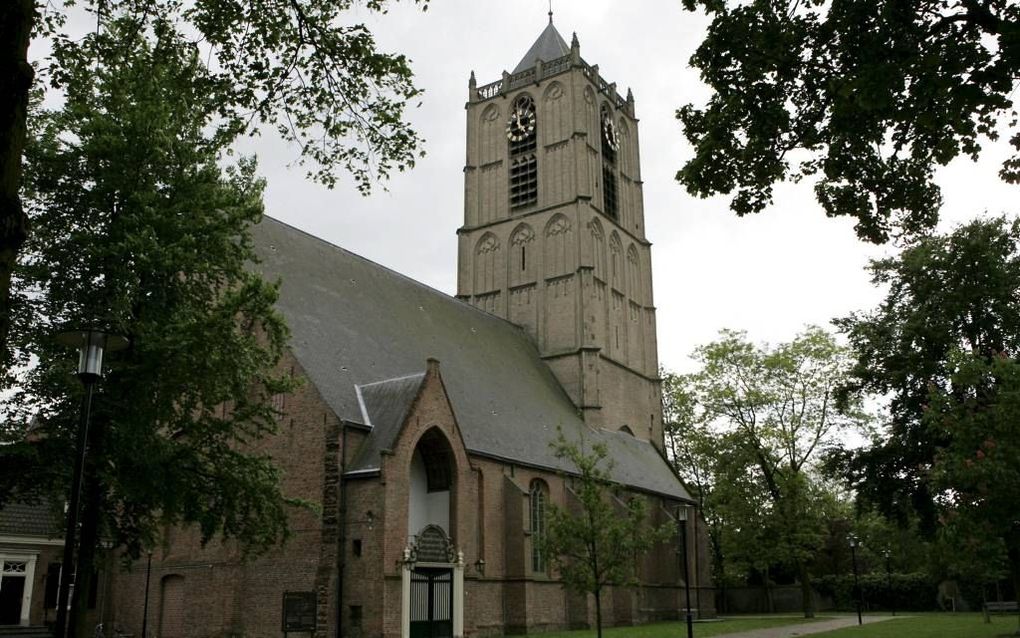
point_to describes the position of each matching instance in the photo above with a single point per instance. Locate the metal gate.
(431, 603)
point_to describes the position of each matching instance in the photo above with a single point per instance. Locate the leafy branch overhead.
(298, 66)
(867, 97)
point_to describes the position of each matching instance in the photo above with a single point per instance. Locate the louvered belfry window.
(609, 190)
(522, 134)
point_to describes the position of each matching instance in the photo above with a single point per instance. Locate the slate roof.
(21, 519)
(549, 46)
(355, 323)
(384, 406)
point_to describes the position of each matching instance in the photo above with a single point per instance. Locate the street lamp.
(145, 605)
(681, 520)
(888, 579)
(91, 345)
(857, 587)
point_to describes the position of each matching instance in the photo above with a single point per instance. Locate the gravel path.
(792, 631)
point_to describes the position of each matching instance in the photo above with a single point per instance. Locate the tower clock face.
(609, 133)
(522, 121)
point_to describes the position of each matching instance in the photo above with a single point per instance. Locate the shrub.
(906, 592)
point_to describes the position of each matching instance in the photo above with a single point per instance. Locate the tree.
(775, 410)
(600, 543)
(138, 229)
(695, 451)
(869, 98)
(946, 293)
(976, 475)
(295, 66)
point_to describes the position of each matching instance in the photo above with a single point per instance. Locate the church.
(423, 425)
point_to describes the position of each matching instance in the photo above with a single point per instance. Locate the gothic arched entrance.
(433, 570)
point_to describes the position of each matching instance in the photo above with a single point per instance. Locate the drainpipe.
(341, 532)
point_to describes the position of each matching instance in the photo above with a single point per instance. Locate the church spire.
(549, 46)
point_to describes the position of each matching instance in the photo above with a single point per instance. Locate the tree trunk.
(807, 594)
(16, 21)
(598, 612)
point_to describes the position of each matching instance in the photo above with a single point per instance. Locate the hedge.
(906, 592)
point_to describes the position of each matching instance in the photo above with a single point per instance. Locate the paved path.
(791, 631)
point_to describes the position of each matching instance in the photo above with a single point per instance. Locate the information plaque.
(298, 611)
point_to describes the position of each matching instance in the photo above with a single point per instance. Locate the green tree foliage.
(770, 412)
(694, 450)
(138, 229)
(867, 98)
(302, 68)
(945, 293)
(598, 538)
(977, 474)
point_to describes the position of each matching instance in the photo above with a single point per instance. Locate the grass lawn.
(931, 626)
(679, 630)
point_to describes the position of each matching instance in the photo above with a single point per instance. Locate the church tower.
(554, 235)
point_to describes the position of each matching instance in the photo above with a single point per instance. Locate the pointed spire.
(472, 82)
(549, 46)
(550, 11)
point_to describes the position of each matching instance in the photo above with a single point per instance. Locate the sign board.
(433, 546)
(298, 611)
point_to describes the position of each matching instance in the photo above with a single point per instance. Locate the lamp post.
(145, 605)
(888, 579)
(91, 344)
(681, 520)
(857, 587)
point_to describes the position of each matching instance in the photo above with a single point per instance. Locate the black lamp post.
(91, 344)
(681, 520)
(145, 605)
(857, 586)
(888, 579)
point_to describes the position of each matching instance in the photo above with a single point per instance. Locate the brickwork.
(222, 596)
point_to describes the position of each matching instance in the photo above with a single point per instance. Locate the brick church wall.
(222, 596)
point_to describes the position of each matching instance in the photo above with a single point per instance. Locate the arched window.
(634, 287)
(522, 262)
(539, 498)
(521, 133)
(615, 261)
(598, 249)
(485, 263)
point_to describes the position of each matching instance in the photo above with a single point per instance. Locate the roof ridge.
(392, 380)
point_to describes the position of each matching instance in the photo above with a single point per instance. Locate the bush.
(903, 592)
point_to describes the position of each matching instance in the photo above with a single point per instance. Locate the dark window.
(356, 546)
(52, 584)
(356, 616)
(538, 499)
(609, 190)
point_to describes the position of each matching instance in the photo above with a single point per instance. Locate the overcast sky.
(770, 274)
